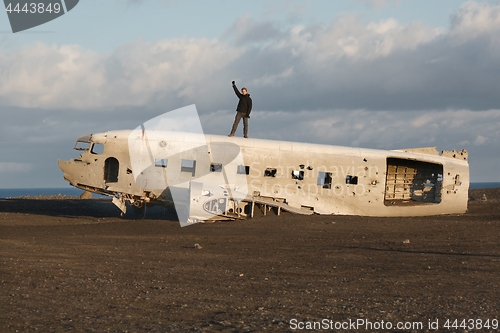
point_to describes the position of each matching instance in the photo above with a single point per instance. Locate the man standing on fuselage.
(242, 110)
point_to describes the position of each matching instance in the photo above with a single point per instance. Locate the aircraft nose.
(65, 166)
(62, 165)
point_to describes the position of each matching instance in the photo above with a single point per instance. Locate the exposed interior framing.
(412, 182)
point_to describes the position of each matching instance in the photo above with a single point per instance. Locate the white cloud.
(273, 80)
(50, 77)
(348, 64)
(376, 4)
(476, 18)
(11, 167)
(138, 74)
(480, 140)
(422, 120)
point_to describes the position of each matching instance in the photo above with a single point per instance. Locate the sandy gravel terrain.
(76, 266)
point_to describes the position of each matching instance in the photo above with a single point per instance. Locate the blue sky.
(382, 74)
(104, 25)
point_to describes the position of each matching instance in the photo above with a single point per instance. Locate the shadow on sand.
(98, 208)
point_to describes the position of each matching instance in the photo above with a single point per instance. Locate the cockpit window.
(97, 148)
(81, 145)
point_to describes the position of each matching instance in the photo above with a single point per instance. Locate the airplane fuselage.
(140, 167)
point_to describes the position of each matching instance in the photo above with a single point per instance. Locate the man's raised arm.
(236, 91)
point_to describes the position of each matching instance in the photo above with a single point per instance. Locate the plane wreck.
(211, 177)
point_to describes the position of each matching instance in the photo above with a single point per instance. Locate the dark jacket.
(245, 103)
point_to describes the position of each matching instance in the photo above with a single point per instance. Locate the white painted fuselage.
(142, 167)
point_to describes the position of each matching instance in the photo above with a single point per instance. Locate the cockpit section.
(86, 144)
(83, 171)
(103, 167)
(88, 171)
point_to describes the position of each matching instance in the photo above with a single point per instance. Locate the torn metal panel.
(462, 154)
(120, 204)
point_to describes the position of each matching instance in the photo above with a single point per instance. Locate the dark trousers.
(237, 119)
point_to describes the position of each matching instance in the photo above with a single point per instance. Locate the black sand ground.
(75, 266)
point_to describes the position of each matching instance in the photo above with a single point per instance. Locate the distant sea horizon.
(6, 193)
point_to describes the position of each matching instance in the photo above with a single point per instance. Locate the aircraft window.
(97, 148)
(325, 179)
(188, 166)
(296, 174)
(161, 162)
(243, 170)
(80, 145)
(270, 172)
(216, 167)
(351, 180)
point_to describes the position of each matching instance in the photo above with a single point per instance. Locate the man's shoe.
(246, 136)
(230, 135)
